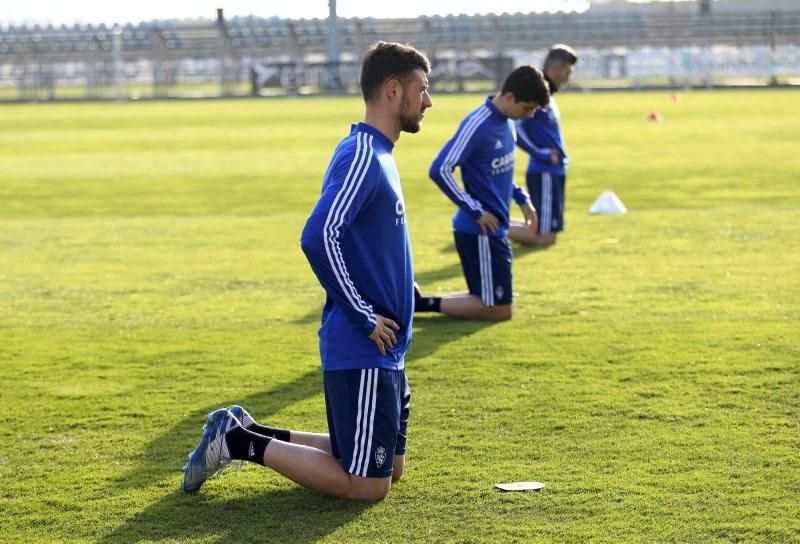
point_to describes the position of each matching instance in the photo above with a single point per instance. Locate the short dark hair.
(560, 54)
(527, 84)
(384, 60)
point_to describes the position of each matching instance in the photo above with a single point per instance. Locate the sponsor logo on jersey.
(503, 164)
(380, 456)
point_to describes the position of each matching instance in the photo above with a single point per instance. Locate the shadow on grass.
(522, 251)
(166, 454)
(432, 276)
(432, 331)
(282, 515)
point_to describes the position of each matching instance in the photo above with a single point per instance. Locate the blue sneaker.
(211, 455)
(241, 414)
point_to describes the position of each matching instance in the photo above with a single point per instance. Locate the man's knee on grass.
(547, 239)
(369, 489)
(538, 240)
(398, 467)
(501, 312)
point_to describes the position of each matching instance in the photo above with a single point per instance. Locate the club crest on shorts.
(499, 291)
(380, 456)
(400, 210)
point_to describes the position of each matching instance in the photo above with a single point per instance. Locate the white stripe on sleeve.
(344, 199)
(454, 155)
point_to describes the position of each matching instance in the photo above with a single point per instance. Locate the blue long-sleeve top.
(356, 241)
(538, 134)
(483, 148)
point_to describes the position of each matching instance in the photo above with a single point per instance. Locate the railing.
(246, 54)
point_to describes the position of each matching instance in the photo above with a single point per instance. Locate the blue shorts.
(486, 262)
(547, 196)
(368, 413)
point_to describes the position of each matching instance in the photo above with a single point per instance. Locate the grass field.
(150, 271)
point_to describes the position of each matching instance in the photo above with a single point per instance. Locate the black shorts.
(486, 262)
(547, 196)
(368, 412)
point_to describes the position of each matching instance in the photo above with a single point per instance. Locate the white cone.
(608, 202)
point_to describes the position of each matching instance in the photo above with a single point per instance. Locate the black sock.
(284, 435)
(427, 304)
(246, 445)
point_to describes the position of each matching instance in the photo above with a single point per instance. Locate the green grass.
(150, 272)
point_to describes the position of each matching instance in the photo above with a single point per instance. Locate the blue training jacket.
(538, 134)
(483, 147)
(356, 241)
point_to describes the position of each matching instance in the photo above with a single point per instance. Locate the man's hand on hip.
(384, 333)
(488, 221)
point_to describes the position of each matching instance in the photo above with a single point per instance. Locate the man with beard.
(483, 148)
(356, 241)
(541, 137)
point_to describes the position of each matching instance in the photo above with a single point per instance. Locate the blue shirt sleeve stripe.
(454, 156)
(344, 199)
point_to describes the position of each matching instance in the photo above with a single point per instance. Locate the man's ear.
(394, 89)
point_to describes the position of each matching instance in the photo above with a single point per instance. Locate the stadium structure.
(621, 44)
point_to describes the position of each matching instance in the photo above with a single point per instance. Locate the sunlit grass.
(150, 272)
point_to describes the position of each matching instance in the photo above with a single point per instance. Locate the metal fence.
(666, 43)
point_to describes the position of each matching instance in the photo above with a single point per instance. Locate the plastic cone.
(608, 203)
